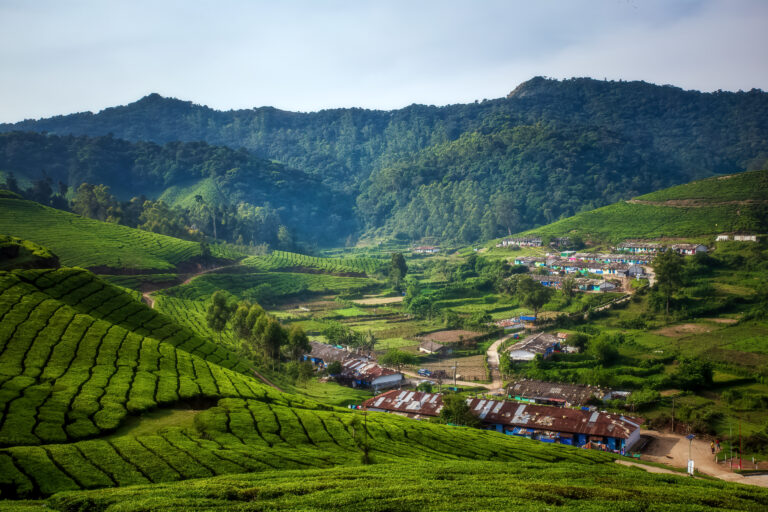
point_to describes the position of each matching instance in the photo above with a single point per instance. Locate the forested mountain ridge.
(608, 141)
(178, 172)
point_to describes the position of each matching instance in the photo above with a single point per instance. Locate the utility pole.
(455, 367)
(741, 454)
(673, 415)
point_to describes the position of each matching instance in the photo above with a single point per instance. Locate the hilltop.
(700, 209)
(473, 171)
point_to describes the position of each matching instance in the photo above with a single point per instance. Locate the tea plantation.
(281, 260)
(89, 243)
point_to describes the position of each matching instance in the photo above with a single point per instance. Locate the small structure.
(554, 393)
(688, 249)
(432, 347)
(527, 349)
(426, 249)
(521, 242)
(744, 237)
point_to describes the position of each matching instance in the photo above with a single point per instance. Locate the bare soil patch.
(727, 321)
(681, 330)
(469, 368)
(375, 301)
(453, 336)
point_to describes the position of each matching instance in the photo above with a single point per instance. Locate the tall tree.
(667, 269)
(219, 312)
(298, 343)
(456, 411)
(397, 270)
(534, 295)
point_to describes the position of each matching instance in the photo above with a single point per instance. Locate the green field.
(288, 261)
(79, 241)
(707, 214)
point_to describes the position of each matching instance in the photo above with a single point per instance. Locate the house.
(431, 347)
(510, 324)
(588, 285)
(527, 349)
(553, 281)
(576, 427)
(560, 241)
(530, 261)
(744, 237)
(636, 272)
(520, 242)
(426, 249)
(607, 286)
(688, 249)
(357, 371)
(723, 237)
(640, 247)
(554, 393)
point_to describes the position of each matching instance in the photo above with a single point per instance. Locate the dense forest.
(463, 172)
(188, 184)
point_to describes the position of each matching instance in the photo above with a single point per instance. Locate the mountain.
(704, 208)
(472, 171)
(177, 172)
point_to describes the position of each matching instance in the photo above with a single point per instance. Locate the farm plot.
(281, 260)
(256, 435)
(90, 243)
(265, 288)
(77, 355)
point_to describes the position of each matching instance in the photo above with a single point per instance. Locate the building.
(554, 393)
(723, 237)
(527, 349)
(432, 347)
(426, 249)
(688, 249)
(520, 242)
(744, 237)
(356, 370)
(640, 247)
(576, 427)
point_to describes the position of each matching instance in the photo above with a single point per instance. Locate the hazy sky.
(62, 56)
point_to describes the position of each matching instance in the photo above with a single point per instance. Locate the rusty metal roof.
(535, 417)
(571, 393)
(538, 343)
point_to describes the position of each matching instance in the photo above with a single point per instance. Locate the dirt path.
(150, 301)
(265, 380)
(672, 449)
(493, 362)
(650, 469)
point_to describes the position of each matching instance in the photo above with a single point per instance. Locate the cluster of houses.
(582, 427)
(736, 237)
(357, 370)
(640, 247)
(534, 241)
(426, 249)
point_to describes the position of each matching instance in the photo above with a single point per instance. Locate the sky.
(64, 56)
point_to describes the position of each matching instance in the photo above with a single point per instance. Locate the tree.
(306, 370)
(425, 386)
(667, 268)
(603, 348)
(273, 337)
(456, 411)
(334, 368)
(569, 289)
(693, 374)
(397, 270)
(397, 358)
(298, 343)
(219, 312)
(534, 295)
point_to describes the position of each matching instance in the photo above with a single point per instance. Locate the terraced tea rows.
(429, 486)
(77, 355)
(273, 432)
(282, 260)
(90, 243)
(265, 287)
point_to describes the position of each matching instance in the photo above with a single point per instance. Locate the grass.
(90, 243)
(733, 187)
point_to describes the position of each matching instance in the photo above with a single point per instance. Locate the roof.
(539, 417)
(431, 346)
(648, 245)
(410, 403)
(327, 353)
(572, 393)
(538, 343)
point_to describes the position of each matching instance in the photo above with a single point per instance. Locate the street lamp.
(690, 437)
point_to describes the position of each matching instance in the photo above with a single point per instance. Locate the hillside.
(78, 241)
(235, 180)
(475, 171)
(698, 209)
